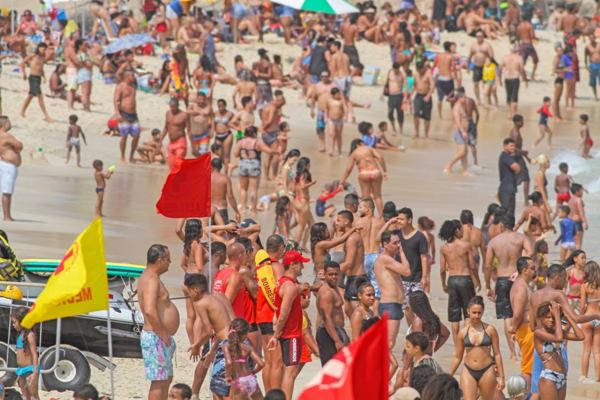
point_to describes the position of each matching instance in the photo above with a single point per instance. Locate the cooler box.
(370, 75)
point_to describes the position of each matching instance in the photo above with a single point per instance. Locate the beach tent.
(322, 6)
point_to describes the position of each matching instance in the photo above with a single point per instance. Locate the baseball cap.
(407, 393)
(293, 257)
(247, 223)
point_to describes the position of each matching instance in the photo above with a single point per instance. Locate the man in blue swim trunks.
(318, 95)
(126, 111)
(592, 63)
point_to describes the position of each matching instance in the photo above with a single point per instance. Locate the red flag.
(186, 192)
(359, 371)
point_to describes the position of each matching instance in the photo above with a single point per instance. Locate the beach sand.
(54, 202)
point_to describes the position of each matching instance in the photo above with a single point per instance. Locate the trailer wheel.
(71, 372)
(12, 394)
(8, 358)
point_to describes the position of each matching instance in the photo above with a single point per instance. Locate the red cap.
(293, 257)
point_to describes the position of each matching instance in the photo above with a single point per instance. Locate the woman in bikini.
(302, 184)
(223, 136)
(549, 338)
(371, 171)
(479, 344)
(575, 265)
(557, 68)
(536, 210)
(248, 150)
(283, 217)
(192, 262)
(590, 304)
(540, 182)
(363, 315)
(202, 77)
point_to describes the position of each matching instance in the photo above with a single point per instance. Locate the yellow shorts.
(524, 336)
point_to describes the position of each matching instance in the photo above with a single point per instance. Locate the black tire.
(8, 379)
(12, 394)
(72, 371)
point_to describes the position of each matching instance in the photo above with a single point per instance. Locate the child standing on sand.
(73, 140)
(584, 133)
(27, 356)
(101, 178)
(545, 113)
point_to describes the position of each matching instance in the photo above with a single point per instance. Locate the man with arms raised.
(10, 160)
(389, 274)
(161, 320)
(331, 336)
(288, 314)
(353, 264)
(213, 317)
(370, 231)
(506, 247)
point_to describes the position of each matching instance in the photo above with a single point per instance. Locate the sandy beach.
(53, 202)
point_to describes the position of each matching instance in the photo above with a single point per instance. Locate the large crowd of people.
(248, 309)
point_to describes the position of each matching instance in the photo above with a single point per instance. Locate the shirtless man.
(213, 316)
(270, 116)
(521, 155)
(520, 294)
(126, 111)
(221, 193)
(371, 228)
(36, 63)
(526, 35)
(473, 22)
(424, 87)
(161, 320)
(331, 336)
(395, 87)
(335, 114)
(461, 135)
(472, 113)
(592, 63)
(318, 95)
(243, 118)
(506, 247)
(72, 63)
(389, 273)
(353, 264)
(349, 32)
(245, 87)
(339, 66)
(456, 258)
(578, 213)
(201, 122)
(480, 50)
(473, 236)
(513, 68)
(10, 160)
(569, 21)
(556, 282)
(447, 75)
(177, 123)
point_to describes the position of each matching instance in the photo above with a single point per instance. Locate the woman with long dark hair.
(320, 244)
(192, 262)
(283, 217)
(303, 182)
(427, 321)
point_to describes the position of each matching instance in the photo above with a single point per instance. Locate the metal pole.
(209, 254)
(110, 353)
(12, 17)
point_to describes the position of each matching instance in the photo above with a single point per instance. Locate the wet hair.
(156, 252)
(216, 247)
(73, 119)
(331, 264)
(19, 313)
(543, 309)
(508, 141)
(442, 387)
(448, 230)
(517, 118)
(420, 375)
(592, 274)
(554, 270)
(563, 166)
(185, 390)
(351, 199)
(571, 259)
(386, 236)
(302, 169)
(216, 164)
(198, 281)
(318, 232)
(522, 263)
(281, 205)
(354, 144)
(406, 212)
(87, 392)
(246, 242)
(97, 164)
(275, 394)
(507, 220)
(347, 215)
(364, 127)
(466, 217)
(362, 283)
(426, 223)
(274, 243)
(193, 231)
(476, 301)
(491, 210)
(575, 187)
(246, 100)
(389, 210)
(238, 331)
(250, 131)
(584, 117)
(421, 307)
(535, 197)
(418, 339)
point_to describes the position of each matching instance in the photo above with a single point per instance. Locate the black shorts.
(326, 345)
(351, 290)
(265, 328)
(523, 175)
(394, 311)
(35, 85)
(253, 327)
(512, 90)
(472, 133)
(422, 108)
(477, 74)
(352, 53)
(444, 88)
(291, 350)
(503, 308)
(460, 291)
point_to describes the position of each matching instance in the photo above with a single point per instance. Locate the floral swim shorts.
(158, 356)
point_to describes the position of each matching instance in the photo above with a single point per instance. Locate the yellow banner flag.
(79, 284)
